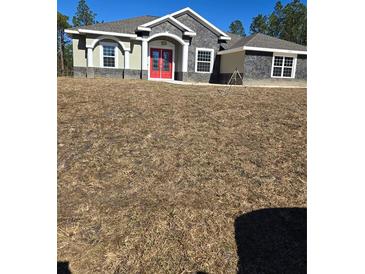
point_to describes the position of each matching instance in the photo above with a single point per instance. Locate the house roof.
(128, 27)
(259, 40)
(234, 39)
(123, 26)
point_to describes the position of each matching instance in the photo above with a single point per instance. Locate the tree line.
(83, 16)
(287, 22)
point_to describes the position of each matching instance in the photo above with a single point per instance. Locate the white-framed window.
(204, 60)
(108, 55)
(283, 66)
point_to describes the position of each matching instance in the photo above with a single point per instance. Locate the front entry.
(161, 63)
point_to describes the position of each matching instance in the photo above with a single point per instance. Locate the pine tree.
(295, 22)
(62, 24)
(84, 15)
(276, 21)
(259, 24)
(287, 22)
(236, 27)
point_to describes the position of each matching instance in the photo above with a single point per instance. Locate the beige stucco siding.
(96, 55)
(80, 52)
(78, 48)
(135, 56)
(231, 61)
(120, 57)
(97, 58)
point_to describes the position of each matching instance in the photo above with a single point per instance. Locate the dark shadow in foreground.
(63, 268)
(272, 240)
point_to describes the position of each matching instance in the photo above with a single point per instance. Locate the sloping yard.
(152, 177)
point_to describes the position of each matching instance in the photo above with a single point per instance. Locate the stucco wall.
(97, 59)
(80, 52)
(229, 62)
(135, 56)
(78, 48)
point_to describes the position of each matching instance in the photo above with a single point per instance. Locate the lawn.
(154, 177)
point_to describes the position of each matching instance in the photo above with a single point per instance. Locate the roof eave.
(71, 31)
(110, 33)
(275, 50)
(227, 51)
(189, 33)
(140, 28)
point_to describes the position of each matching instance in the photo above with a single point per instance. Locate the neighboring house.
(181, 46)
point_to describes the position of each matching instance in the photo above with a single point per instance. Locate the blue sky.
(220, 13)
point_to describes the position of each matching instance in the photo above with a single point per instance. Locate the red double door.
(161, 63)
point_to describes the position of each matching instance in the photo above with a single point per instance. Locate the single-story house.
(181, 46)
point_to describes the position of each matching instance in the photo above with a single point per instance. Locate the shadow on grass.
(63, 268)
(272, 240)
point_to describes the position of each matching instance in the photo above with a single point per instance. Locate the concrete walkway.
(267, 83)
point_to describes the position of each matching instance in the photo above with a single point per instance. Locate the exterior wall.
(97, 59)
(79, 71)
(301, 71)
(80, 59)
(204, 38)
(166, 27)
(135, 55)
(107, 72)
(229, 62)
(257, 65)
(132, 74)
(78, 49)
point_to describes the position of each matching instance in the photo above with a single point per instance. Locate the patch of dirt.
(151, 176)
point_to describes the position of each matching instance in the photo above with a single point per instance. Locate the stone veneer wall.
(301, 71)
(107, 72)
(257, 65)
(204, 38)
(132, 74)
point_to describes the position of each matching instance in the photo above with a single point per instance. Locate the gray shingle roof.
(260, 40)
(234, 39)
(124, 26)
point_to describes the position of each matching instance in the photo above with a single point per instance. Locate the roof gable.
(167, 18)
(192, 13)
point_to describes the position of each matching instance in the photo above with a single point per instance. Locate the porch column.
(185, 57)
(89, 57)
(126, 59)
(144, 54)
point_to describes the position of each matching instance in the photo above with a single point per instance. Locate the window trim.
(211, 60)
(115, 45)
(294, 67)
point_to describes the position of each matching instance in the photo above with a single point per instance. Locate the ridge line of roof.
(245, 37)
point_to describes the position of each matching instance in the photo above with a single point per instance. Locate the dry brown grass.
(151, 176)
